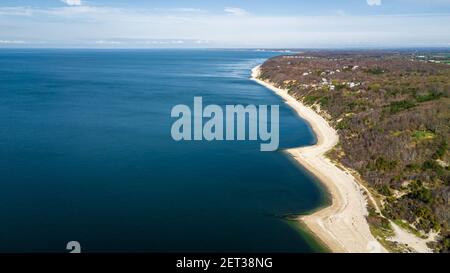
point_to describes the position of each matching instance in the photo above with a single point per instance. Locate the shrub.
(433, 166)
(428, 97)
(398, 106)
(375, 87)
(418, 191)
(342, 125)
(375, 71)
(385, 165)
(310, 99)
(324, 101)
(384, 190)
(441, 150)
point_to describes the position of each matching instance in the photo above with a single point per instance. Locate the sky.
(224, 24)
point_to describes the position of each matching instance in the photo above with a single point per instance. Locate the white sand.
(410, 240)
(342, 226)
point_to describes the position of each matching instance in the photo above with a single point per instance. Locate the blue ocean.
(86, 155)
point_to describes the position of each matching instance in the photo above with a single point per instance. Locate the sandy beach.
(342, 226)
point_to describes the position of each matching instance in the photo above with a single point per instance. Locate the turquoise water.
(86, 155)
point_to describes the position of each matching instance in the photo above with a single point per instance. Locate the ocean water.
(86, 155)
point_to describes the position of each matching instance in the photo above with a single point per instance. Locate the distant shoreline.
(342, 226)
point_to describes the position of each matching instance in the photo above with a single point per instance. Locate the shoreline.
(342, 226)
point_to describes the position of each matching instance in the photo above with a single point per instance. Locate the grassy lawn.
(423, 135)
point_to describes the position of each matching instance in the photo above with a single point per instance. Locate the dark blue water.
(86, 155)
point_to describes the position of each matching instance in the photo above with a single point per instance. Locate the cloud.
(374, 2)
(236, 11)
(165, 42)
(72, 2)
(11, 42)
(16, 11)
(188, 10)
(340, 12)
(201, 42)
(102, 26)
(178, 10)
(104, 42)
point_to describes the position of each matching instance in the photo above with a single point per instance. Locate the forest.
(392, 113)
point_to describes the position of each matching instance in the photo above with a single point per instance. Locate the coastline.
(342, 226)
